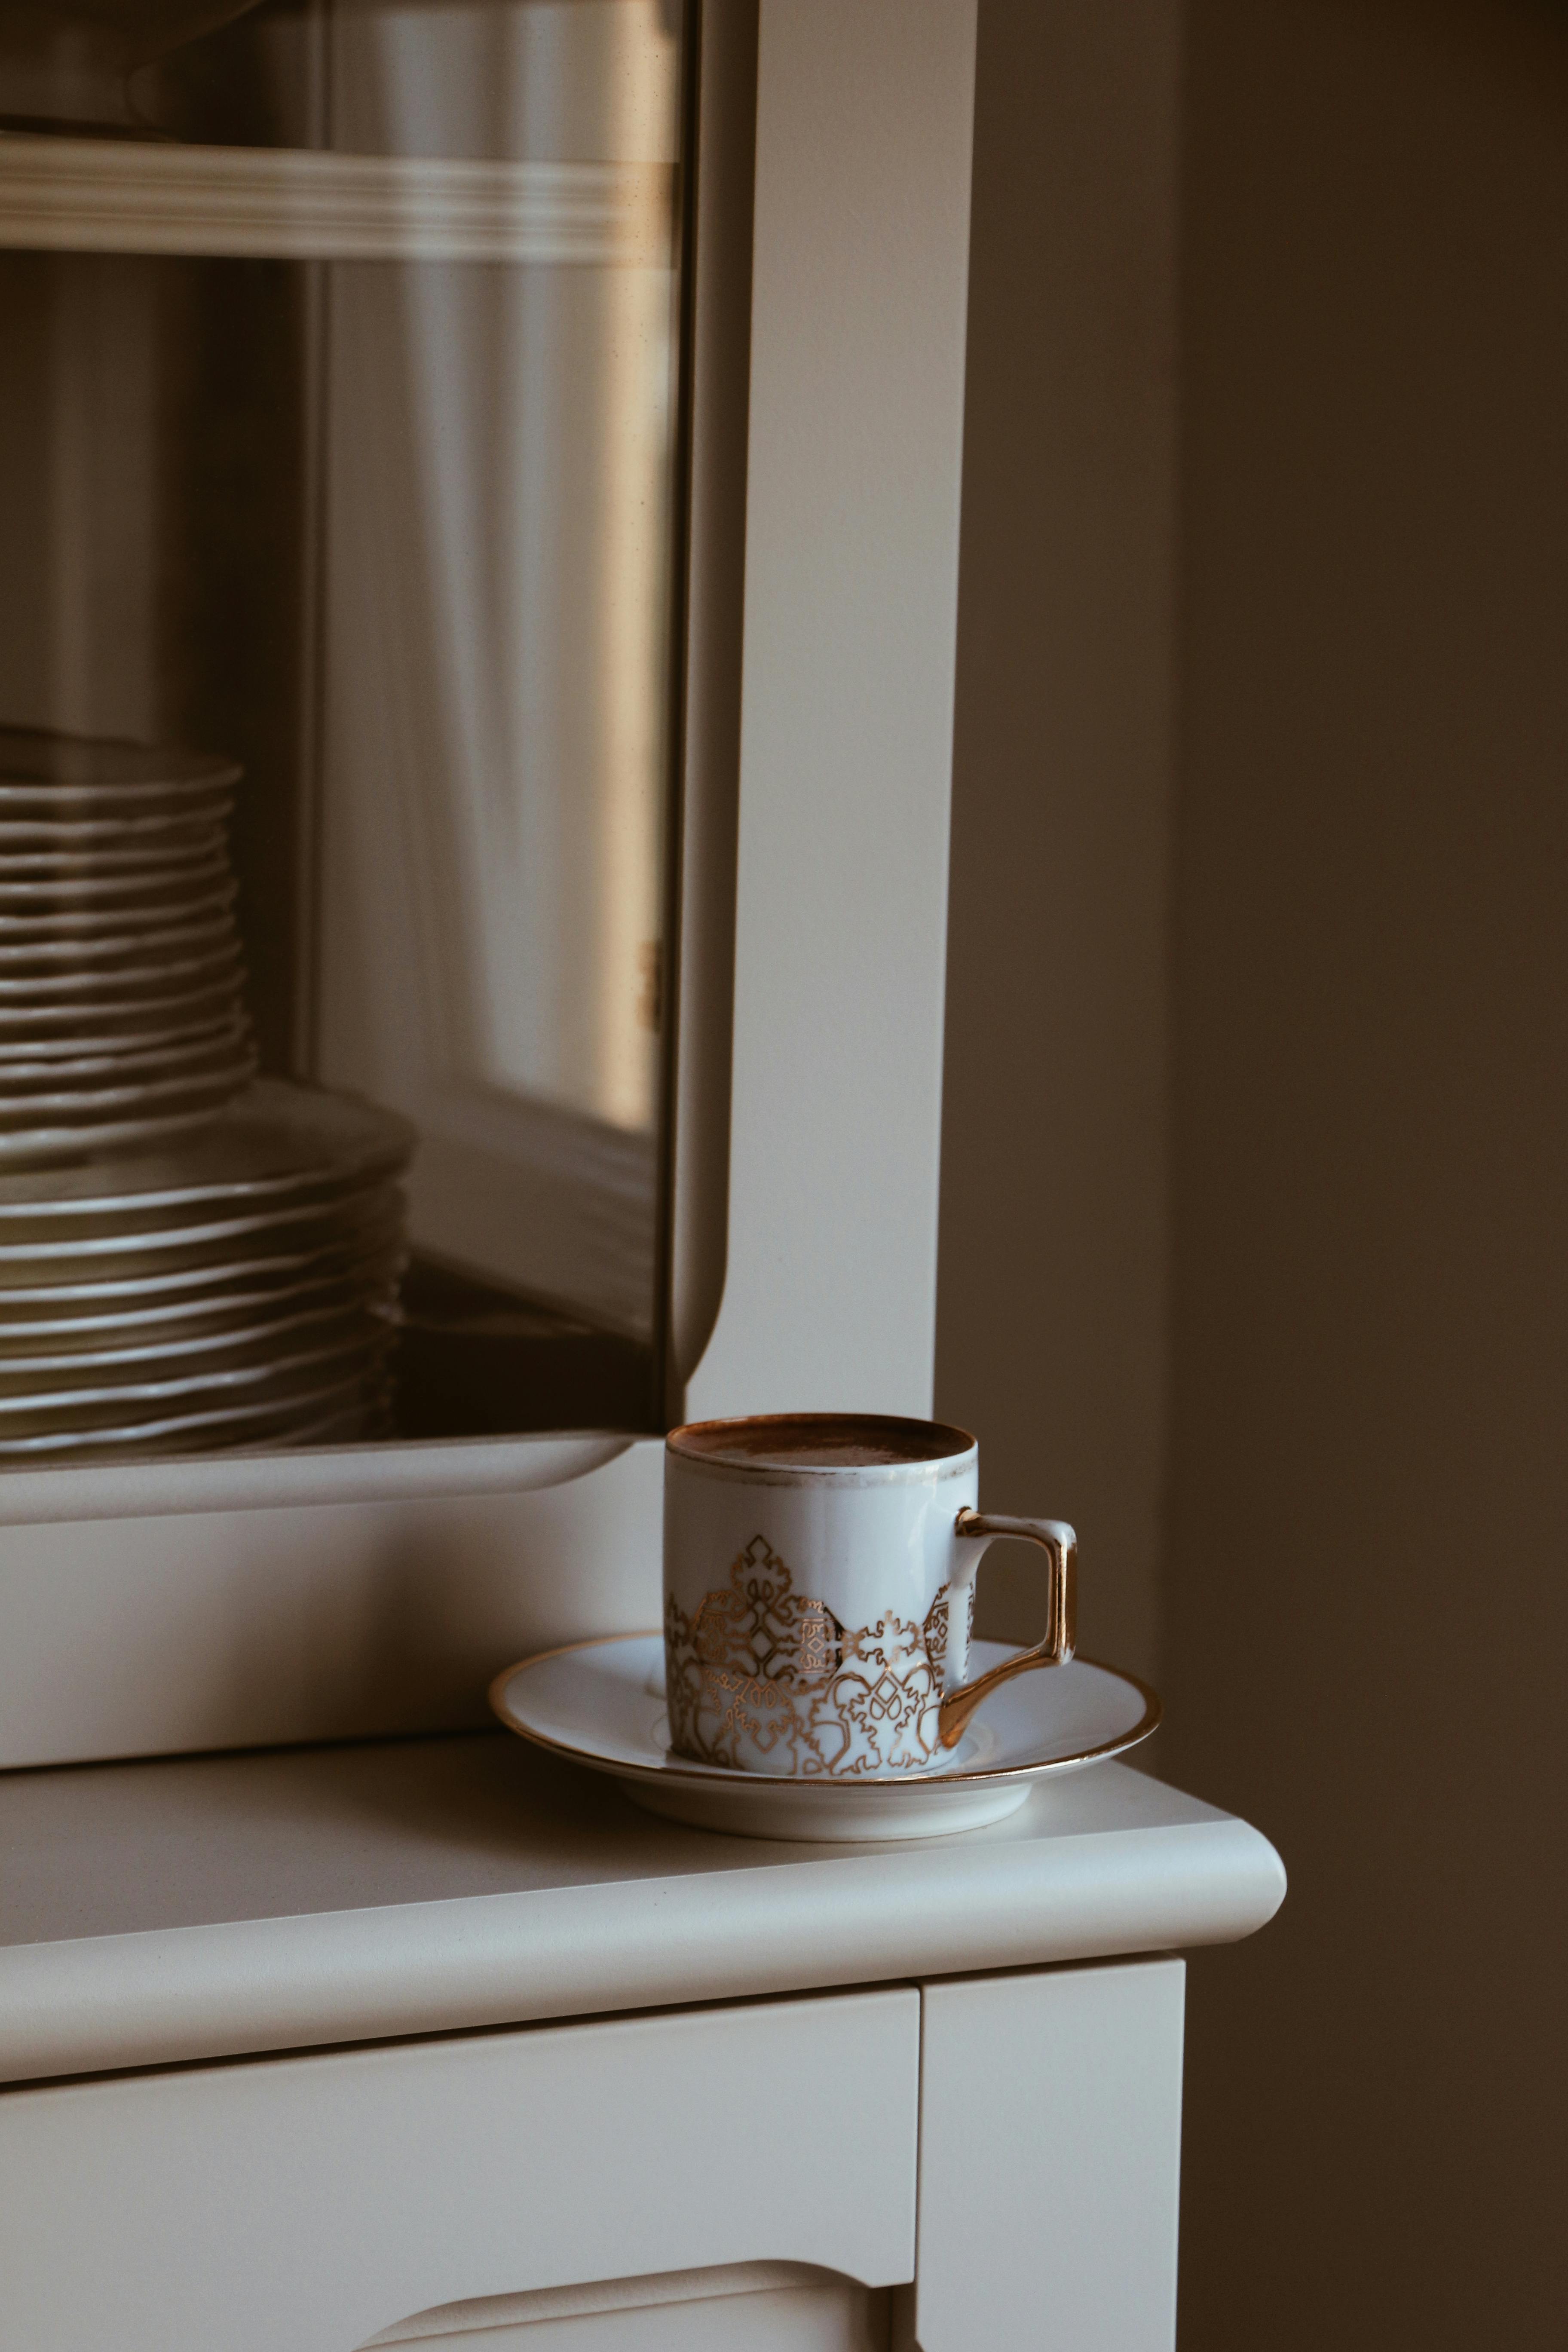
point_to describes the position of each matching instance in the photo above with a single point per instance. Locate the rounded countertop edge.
(278, 1987)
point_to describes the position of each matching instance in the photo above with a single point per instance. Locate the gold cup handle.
(974, 1530)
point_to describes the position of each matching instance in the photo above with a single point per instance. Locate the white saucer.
(602, 1704)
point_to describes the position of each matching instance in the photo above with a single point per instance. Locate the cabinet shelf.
(95, 195)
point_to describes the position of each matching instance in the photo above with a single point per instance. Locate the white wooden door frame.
(161, 1607)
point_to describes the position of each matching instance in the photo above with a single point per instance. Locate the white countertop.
(204, 1908)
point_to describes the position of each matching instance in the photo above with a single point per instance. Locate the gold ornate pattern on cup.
(766, 1669)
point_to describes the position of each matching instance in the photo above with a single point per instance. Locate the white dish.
(193, 1432)
(160, 1358)
(114, 841)
(193, 1035)
(33, 849)
(115, 1403)
(115, 934)
(112, 803)
(93, 1322)
(123, 987)
(30, 950)
(213, 1050)
(28, 1107)
(328, 1261)
(35, 1146)
(277, 1139)
(25, 1025)
(357, 1221)
(50, 774)
(601, 1704)
(83, 892)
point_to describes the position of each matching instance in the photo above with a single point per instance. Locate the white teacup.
(812, 1566)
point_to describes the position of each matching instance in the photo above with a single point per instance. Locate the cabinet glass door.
(341, 431)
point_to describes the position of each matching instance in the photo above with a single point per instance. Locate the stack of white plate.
(237, 1288)
(122, 1013)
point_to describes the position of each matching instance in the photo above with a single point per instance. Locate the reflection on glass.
(500, 456)
(339, 388)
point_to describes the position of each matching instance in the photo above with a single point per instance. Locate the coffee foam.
(820, 1441)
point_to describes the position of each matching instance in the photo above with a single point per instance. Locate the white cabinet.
(288, 2067)
(283, 2038)
(352, 1591)
(736, 2176)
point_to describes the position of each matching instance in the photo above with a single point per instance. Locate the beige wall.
(1366, 1605)
(1051, 1320)
(1359, 1563)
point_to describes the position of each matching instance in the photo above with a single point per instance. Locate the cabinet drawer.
(315, 2201)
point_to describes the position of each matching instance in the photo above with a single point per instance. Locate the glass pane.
(341, 398)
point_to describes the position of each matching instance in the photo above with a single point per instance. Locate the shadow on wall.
(1256, 1097)
(1365, 1605)
(1051, 1291)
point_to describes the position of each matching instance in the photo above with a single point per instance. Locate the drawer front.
(315, 2202)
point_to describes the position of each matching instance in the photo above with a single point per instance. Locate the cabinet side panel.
(1050, 2155)
(315, 2202)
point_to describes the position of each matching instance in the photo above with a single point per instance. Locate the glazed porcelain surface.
(808, 1562)
(603, 1705)
(820, 1583)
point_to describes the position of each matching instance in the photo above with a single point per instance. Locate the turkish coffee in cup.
(820, 1580)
